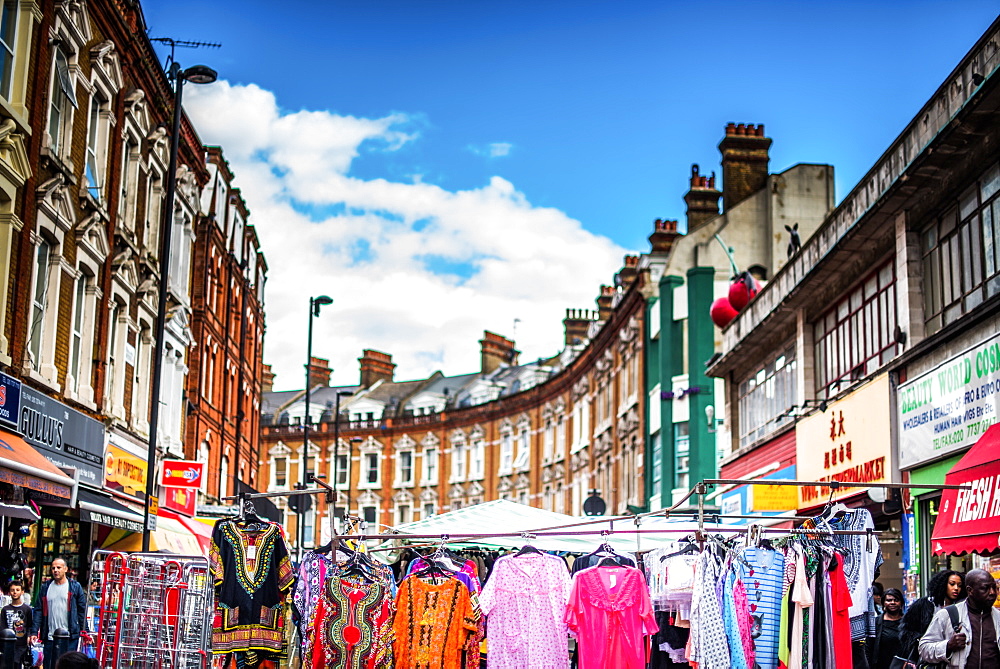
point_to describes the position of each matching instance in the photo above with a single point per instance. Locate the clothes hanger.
(690, 548)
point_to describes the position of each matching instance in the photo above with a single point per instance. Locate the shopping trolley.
(154, 611)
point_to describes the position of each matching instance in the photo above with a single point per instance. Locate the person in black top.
(887, 643)
(17, 616)
(946, 587)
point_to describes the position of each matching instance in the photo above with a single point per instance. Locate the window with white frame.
(309, 526)
(128, 184)
(341, 469)
(224, 477)
(477, 459)
(62, 96)
(429, 510)
(430, 466)
(39, 299)
(522, 496)
(281, 472)
(523, 457)
(560, 451)
(371, 468)
(154, 214)
(403, 514)
(766, 396)
(96, 138)
(369, 513)
(458, 461)
(548, 441)
(8, 32)
(404, 467)
(76, 331)
(506, 452)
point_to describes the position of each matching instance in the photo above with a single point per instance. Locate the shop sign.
(774, 497)
(111, 521)
(182, 474)
(766, 499)
(124, 471)
(948, 408)
(10, 400)
(66, 437)
(847, 442)
(182, 500)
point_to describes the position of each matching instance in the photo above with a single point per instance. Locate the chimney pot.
(745, 161)
(375, 366)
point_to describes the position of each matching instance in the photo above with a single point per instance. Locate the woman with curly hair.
(946, 587)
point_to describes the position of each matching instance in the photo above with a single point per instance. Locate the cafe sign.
(948, 408)
(847, 442)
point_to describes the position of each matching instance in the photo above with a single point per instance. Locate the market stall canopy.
(968, 521)
(21, 465)
(504, 516)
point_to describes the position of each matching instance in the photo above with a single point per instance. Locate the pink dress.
(524, 601)
(610, 614)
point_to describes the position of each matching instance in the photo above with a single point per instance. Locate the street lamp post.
(314, 305)
(197, 74)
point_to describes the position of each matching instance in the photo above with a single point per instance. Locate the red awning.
(201, 531)
(968, 521)
(21, 465)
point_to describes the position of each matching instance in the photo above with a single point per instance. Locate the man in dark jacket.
(61, 604)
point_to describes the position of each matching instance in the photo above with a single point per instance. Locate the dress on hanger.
(525, 604)
(610, 614)
(252, 573)
(433, 623)
(353, 624)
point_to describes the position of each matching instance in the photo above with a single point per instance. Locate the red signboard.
(968, 521)
(181, 500)
(182, 474)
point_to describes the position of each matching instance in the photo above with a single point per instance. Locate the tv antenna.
(174, 43)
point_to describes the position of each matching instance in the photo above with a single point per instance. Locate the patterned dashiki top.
(433, 623)
(525, 603)
(252, 573)
(353, 624)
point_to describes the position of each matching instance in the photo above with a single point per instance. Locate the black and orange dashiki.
(433, 624)
(252, 574)
(353, 624)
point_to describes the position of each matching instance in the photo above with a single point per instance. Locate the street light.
(314, 305)
(197, 74)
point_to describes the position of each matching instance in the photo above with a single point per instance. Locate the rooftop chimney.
(744, 162)
(319, 372)
(495, 351)
(628, 272)
(702, 199)
(375, 366)
(604, 301)
(267, 379)
(663, 237)
(576, 324)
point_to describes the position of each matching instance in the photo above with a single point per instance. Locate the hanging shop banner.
(182, 474)
(968, 520)
(10, 400)
(124, 468)
(181, 500)
(68, 438)
(948, 408)
(847, 442)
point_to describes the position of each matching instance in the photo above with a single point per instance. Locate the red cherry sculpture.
(722, 312)
(742, 290)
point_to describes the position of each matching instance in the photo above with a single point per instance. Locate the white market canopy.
(505, 517)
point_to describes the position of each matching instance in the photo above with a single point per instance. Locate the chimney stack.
(577, 324)
(604, 301)
(663, 237)
(375, 366)
(628, 272)
(267, 379)
(495, 351)
(744, 162)
(702, 199)
(319, 372)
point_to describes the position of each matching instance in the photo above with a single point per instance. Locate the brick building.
(542, 433)
(223, 391)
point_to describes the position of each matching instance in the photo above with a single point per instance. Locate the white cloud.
(415, 270)
(494, 150)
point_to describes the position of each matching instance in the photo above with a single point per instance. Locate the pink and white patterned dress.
(525, 601)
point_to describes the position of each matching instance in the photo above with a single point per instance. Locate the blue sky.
(414, 146)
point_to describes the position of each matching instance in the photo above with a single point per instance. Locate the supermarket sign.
(182, 474)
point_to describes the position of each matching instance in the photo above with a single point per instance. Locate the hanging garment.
(610, 615)
(433, 624)
(525, 604)
(802, 600)
(737, 652)
(467, 575)
(591, 559)
(353, 624)
(763, 573)
(668, 643)
(840, 604)
(252, 573)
